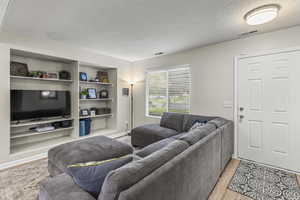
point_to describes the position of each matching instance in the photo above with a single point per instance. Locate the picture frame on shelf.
(18, 69)
(83, 76)
(92, 93)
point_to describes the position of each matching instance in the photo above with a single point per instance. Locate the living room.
(149, 100)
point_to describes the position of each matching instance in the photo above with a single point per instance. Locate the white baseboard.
(22, 161)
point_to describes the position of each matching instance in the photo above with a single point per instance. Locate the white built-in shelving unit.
(23, 139)
(102, 122)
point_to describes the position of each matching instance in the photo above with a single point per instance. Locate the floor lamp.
(131, 107)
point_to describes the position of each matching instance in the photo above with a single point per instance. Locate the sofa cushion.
(150, 133)
(192, 137)
(146, 151)
(197, 125)
(126, 176)
(86, 150)
(62, 187)
(189, 120)
(90, 176)
(172, 120)
(218, 122)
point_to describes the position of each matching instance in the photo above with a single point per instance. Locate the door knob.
(241, 109)
(241, 116)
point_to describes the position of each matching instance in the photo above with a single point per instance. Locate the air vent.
(159, 53)
(248, 33)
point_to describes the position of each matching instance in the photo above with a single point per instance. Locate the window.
(168, 91)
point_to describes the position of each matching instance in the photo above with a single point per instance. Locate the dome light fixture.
(262, 14)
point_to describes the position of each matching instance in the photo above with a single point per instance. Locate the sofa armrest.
(62, 187)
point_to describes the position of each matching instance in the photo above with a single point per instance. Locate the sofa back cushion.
(172, 121)
(218, 122)
(190, 120)
(128, 175)
(189, 176)
(195, 135)
(146, 151)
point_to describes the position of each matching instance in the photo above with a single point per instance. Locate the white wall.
(212, 70)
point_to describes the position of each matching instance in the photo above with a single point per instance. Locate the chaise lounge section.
(171, 124)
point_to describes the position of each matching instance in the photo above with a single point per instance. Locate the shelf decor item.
(18, 69)
(84, 112)
(83, 76)
(92, 94)
(103, 76)
(103, 94)
(83, 94)
(64, 75)
(53, 75)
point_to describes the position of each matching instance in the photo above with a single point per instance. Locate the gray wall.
(212, 70)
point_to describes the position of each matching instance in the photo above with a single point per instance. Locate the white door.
(269, 109)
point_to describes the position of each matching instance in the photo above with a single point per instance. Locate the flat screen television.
(37, 104)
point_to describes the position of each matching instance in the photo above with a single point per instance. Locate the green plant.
(83, 93)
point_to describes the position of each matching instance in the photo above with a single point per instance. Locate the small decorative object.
(18, 69)
(125, 91)
(103, 94)
(64, 75)
(83, 94)
(83, 76)
(42, 74)
(95, 80)
(93, 113)
(84, 112)
(103, 76)
(53, 75)
(92, 94)
(45, 75)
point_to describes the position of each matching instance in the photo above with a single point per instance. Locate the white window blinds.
(168, 91)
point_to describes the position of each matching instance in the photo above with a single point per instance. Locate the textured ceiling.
(136, 29)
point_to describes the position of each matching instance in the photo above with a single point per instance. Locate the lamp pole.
(131, 107)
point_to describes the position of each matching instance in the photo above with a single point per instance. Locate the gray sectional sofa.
(183, 166)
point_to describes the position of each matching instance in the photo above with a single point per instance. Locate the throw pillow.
(90, 176)
(197, 125)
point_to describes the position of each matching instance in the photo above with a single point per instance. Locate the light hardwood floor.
(221, 192)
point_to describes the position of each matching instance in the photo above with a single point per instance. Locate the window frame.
(181, 67)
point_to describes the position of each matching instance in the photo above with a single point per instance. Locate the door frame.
(236, 92)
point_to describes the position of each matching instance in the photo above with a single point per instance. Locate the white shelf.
(21, 148)
(33, 133)
(104, 99)
(95, 83)
(41, 79)
(39, 122)
(96, 116)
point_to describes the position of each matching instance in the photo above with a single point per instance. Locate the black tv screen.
(35, 104)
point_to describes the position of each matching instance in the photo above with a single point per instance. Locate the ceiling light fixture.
(262, 14)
